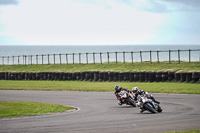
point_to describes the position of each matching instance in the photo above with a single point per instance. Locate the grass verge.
(154, 87)
(190, 131)
(16, 109)
(119, 67)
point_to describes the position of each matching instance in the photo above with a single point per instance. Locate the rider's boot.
(120, 103)
(141, 110)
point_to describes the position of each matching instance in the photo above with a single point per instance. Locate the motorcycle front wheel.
(152, 110)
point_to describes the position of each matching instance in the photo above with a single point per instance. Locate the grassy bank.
(120, 67)
(154, 87)
(16, 109)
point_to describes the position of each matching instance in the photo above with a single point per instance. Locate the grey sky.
(92, 22)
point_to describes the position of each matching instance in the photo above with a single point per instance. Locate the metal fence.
(190, 55)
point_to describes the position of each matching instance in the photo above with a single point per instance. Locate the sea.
(55, 54)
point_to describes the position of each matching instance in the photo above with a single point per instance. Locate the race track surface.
(99, 112)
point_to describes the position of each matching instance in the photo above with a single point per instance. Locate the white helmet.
(135, 89)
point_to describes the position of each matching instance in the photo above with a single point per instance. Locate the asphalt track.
(99, 112)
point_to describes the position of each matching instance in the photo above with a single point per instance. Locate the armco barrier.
(190, 77)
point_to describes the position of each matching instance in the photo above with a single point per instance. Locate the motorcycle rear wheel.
(131, 102)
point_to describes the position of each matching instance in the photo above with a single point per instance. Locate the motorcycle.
(147, 104)
(126, 98)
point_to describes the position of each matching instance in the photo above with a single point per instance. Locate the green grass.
(154, 87)
(120, 67)
(16, 109)
(190, 131)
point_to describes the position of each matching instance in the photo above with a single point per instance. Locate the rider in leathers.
(117, 91)
(137, 92)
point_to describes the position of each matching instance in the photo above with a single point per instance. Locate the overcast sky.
(99, 22)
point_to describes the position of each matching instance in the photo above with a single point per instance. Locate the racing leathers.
(117, 94)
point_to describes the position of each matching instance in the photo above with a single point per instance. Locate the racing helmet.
(117, 88)
(135, 89)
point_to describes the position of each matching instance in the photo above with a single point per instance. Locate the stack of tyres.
(101, 76)
(73, 76)
(171, 76)
(183, 77)
(121, 76)
(147, 76)
(126, 76)
(78, 76)
(195, 77)
(136, 76)
(152, 76)
(164, 76)
(69, 76)
(110, 76)
(105, 76)
(131, 77)
(177, 77)
(91, 76)
(87, 76)
(65, 76)
(33, 76)
(188, 77)
(83, 76)
(158, 76)
(2, 75)
(141, 76)
(96, 76)
(116, 76)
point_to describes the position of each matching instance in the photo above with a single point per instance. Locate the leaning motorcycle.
(126, 98)
(147, 104)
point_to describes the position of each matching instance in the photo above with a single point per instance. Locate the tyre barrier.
(158, 76)
(142, 76)
(190, 77)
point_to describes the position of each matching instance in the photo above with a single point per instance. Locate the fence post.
(189, 55)
(13, 59)
(73, 57)
(158, 55)
(124, 57)
(36, 59)
(178, 56)
(79, 58)
(132, 56)
(94, 58)
(108, 56)
(60, 58)
(169, 56)
(116, 56)
(31, 59)
(8, 60)
(141, 56)
(48, 59)
(18, 60)
(87, 58)
(42, 59)
(25, 59)
(100, 57)
(150, 56)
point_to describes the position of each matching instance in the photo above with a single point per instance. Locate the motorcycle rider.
(117, 91)
(138, 92)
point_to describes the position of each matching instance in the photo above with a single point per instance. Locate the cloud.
(9, 2)
(164, 6)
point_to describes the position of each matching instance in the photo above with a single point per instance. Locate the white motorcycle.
(147, 104)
